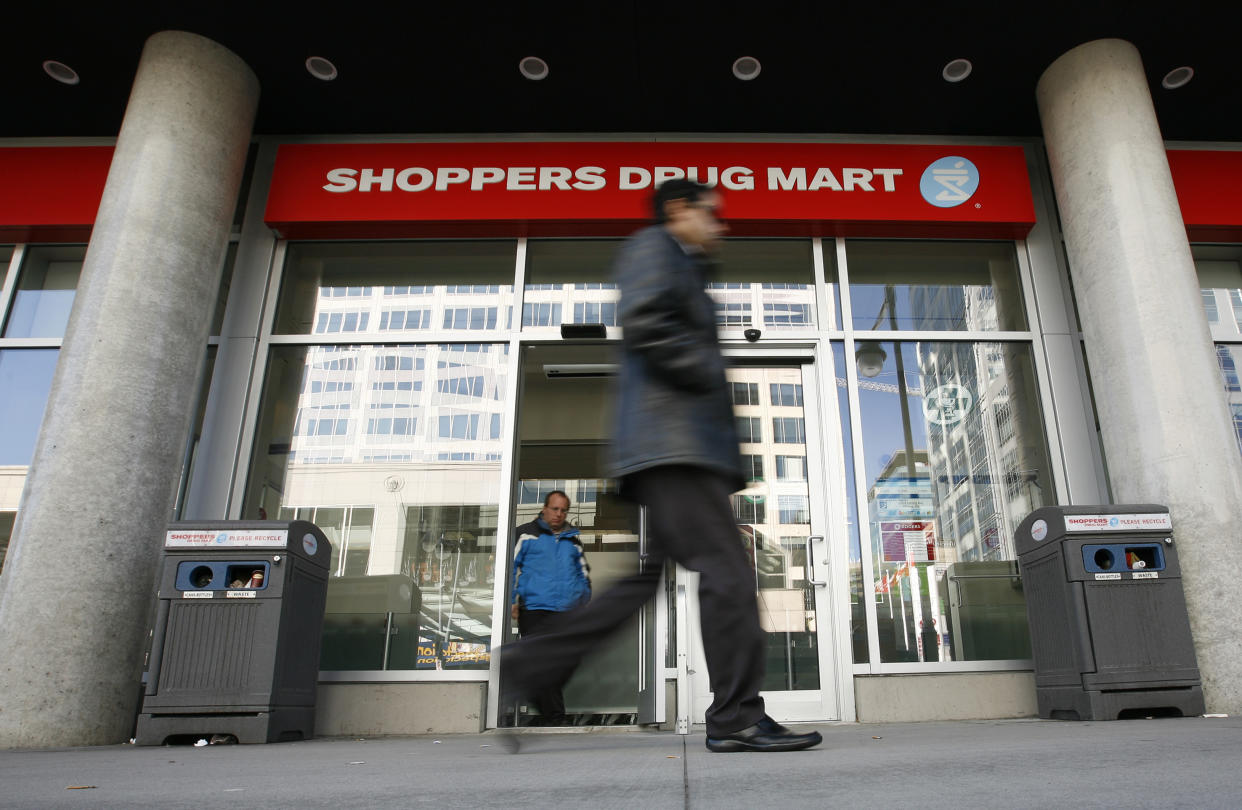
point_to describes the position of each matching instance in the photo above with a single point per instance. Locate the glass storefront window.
(858, 590)
(954, 457)
(774, 519)
(967, 286)
(45, 291)
(395, 451)
(767, 284)
(1229, 358)
(1219, 268)
(338, 289)
(763, 283)
(569, 281)
(25, 380)
(1220, 284)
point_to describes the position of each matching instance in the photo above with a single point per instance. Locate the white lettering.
(521, 179)
(444, 176)
(738, 178)
(341, 180)
(368, 179)
(666, 173)
(778, 180)
(633, 177)
(857, 177)
(888, 175)
(589, 178)
(550, 176)
(425, 179)
(824, 177)
(484, 175)
(712, 174)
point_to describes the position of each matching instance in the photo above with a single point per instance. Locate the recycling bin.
(236, 638)
(1110, 635)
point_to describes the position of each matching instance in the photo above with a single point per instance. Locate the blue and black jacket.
(550, 572)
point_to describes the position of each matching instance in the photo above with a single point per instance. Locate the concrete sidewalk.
(1191, 762)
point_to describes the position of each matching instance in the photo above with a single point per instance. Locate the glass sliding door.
(782, 525)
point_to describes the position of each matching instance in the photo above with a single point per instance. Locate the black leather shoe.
(766, 735)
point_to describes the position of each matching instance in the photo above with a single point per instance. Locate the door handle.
(810, 561)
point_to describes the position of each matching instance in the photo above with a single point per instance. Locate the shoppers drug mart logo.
(949, 182)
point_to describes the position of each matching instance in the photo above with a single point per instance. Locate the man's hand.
(513, 611)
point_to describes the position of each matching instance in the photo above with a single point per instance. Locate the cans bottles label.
(1108, 576)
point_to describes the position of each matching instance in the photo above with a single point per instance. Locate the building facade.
(386, 357)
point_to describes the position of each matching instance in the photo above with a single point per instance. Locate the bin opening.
(1123, 557)
(209, 575)
(248, 575)
(1141, 557)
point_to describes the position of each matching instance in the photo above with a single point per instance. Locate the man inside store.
(550, 576)
(675, 450)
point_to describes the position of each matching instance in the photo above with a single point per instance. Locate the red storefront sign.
(1209, 190)
(51, 193)
(414, 189)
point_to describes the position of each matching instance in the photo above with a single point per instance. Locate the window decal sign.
(363, 190)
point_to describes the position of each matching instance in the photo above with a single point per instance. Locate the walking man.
(675, 450)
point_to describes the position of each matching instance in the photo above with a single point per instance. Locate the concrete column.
(76, 591)
(1167, 433)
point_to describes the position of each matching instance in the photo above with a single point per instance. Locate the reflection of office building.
(375, 358)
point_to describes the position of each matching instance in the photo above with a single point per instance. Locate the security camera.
(752, 334)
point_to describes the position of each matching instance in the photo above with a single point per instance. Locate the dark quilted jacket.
(673, 406)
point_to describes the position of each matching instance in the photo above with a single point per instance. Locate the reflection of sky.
(867, 301)
(881, 412)
(851, 502)
(25, 379)
(40, 313)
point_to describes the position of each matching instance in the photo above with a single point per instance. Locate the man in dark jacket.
(675, 450)
(550, 576)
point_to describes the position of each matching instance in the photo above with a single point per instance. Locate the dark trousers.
(549, 700)
(690, 520)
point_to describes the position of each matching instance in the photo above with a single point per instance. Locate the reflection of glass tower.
(379, 425)
(768, 305)
(974, 449)
(1226, 358)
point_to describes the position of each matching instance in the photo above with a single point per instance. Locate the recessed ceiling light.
(1177, 77)
(533, 68)
(957, 70)
(746, 68)
(60, 72)
(322, 69)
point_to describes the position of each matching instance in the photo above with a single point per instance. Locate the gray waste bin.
(236, 639)
(1104, 599)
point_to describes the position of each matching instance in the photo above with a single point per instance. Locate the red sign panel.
(1208, 183)
(400, 189)
(51, 193)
